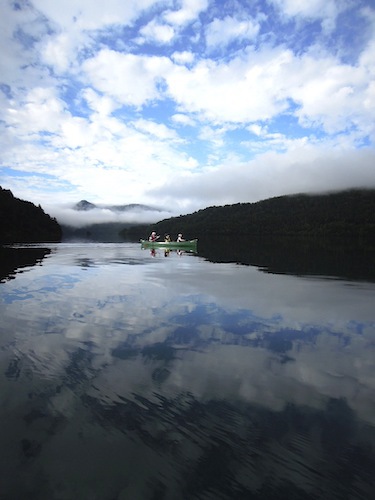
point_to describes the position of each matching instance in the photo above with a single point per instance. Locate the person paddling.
(180, 238)
(153, 236)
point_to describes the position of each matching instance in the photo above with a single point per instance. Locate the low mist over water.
(68, 215)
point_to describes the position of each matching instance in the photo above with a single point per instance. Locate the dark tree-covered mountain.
(346, 214)
(23, 222)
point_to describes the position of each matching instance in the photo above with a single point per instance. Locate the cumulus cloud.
(325, 11)
(189, 11)
(182, 119)
(184, 57)
(60, 51)
(147, 100)
(220, 32)
(158, 130)
(156, 32)
(131, 79)
(39, 111)
(262, 84)
(88, 15)
(247, 88)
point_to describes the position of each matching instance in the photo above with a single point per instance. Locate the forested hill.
(345, 213)
(23, 222)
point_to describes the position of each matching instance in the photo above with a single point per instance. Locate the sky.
(184, 104)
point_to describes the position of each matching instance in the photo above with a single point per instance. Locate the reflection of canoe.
(189, 244)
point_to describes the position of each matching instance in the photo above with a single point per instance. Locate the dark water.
(127, 375)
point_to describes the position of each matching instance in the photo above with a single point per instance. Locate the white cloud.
(18, 61)
(158, 130)
(102, 104)
(336, 101)
(156, 32)
(39, 111)
(75, 24)
(60, 51)
(129, 78)
(220, 32)
(189, 11)
(182, 119)
(88, 15)
(257, 129)
(74, 133)
(260, 85)
(215, 136)
(247, 88)
(184, 57)
(96, 155)
(302, 168)
(84, 102)
(325, 10)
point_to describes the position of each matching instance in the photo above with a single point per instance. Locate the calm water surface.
(127, 375)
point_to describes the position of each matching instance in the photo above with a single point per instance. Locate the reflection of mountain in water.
(297, 256)
(12, 259)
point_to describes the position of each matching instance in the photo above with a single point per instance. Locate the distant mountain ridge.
(85, 205)
(349, 213)
(105, 231)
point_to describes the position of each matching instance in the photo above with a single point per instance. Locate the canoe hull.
(189, 244)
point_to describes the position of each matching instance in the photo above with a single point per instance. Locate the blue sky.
(185, 104)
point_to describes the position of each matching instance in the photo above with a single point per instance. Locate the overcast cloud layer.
(183, 104)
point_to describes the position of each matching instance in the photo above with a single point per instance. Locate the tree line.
(23, 222)
(348, 213)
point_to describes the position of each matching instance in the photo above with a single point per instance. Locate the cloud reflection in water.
(125, 374)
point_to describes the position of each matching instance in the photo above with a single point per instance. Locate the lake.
(233, 373)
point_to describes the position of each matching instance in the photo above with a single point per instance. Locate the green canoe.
(188, 244)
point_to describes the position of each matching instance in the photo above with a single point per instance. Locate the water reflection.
(131, 376)
(156, 252)
(13, 259)
(341, 258)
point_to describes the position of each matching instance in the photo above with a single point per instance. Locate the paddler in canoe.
(153, 236)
